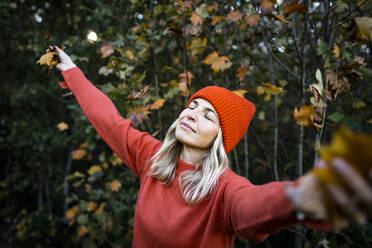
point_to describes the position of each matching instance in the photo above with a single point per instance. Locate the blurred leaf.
(240, 92)
(234, 16)
(216, 19)
(115, 185)
(364, 28)
(252, 20)
(62, 126)
(79, 154)
(196, 19)
(294, 6)
(217, 63)
(106, 50)
(157, 104)
(135, 95)
(94, 169)
(242, 71)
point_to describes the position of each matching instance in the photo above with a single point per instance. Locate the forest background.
(306, 65)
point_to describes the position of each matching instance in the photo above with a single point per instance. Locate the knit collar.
(182, 166)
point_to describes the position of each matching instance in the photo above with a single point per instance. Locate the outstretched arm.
(132, 146)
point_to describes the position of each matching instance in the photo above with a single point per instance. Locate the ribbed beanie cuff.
(235, 113)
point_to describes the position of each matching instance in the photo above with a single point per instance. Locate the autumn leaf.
(240, 92)
(129, 54)
(100, 209)
(216, 19)
(268, 89)
(281, 18)
(82, 231)
(91, 206)
(234, 16)
(106, 50)
(294, 7)
(336, 51)
(115, 185)
(62, 126)
(217, 63)
(196, 19)
(305, 115)
(157, 104)
(266, 6)
(50, 59)
(94, 169)
(184, 82)
(358, 104)
(78, 154)
(318, 91)
(355, 148)
(242, 71)
(213, 7)
(252, 20)
(364, 28)
(72, 212)
(198, 45)
(138, 114)
(138, 94)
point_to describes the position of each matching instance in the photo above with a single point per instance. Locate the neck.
(192, 155)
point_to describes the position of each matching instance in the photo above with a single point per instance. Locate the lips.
(187, 126)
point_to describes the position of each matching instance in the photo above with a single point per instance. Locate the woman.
(188, 196)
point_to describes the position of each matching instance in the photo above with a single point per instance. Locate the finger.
(347, 205)
(354, 180)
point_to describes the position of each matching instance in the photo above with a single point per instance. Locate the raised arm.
(132, 146)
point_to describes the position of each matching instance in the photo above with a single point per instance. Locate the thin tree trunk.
(67, 172)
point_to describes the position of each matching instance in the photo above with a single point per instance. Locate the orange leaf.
(252, 20)
(137, 115)
(234, 16)
(212, 7)
(91, 206)
(305, 115)
(217, 63)
(216, 19)
(294, 7)
(100, 209)
(72, 212)
(242, 71)
(196, 19)
(115, 185)
(281, 18)
(157, 104)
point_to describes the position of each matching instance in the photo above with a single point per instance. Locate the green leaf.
(322, 48)
(336, 117)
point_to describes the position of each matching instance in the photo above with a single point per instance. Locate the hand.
(349, 205)
(66, 62)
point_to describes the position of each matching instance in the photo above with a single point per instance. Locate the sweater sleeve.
(132, 146)
(257, 211)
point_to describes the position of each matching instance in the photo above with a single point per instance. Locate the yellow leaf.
(91, 206)
(336, 51)
(364, 26)
(266, 6)
(129, 54)
(100, 209)
(216, 19)
(84, 145)
(261, 115)
(78, 154)
(196, 19)
(93, 169)
(212, 7)
(71, 213)
(305, 115)
(359, 104)
(240, 92)
(115, 185)
(272, 89)
(82, 231)
(117, 160)
(46, 58)
(62, 126)
(260, 90)
(105, 165)
(157, 104)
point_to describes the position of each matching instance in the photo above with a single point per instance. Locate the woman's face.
(198, 125)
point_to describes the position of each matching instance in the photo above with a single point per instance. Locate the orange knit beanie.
(235, 113)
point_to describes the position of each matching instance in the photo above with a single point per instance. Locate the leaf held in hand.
(305, 115)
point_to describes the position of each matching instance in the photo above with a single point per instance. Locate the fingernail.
(339, 164)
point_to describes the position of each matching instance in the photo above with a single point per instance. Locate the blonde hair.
(195, 184)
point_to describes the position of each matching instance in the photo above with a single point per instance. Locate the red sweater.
(162, 217)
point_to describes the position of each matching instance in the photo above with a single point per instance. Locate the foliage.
(61, 184)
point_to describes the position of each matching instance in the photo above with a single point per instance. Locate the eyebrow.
(196, 102)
